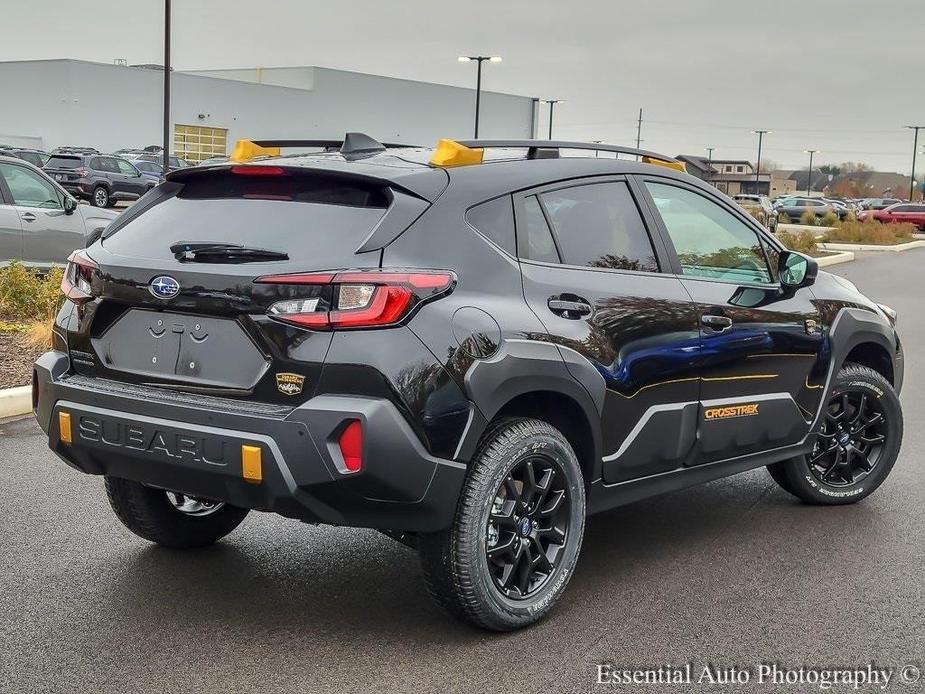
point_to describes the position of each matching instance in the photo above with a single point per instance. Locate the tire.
(150, 514)
(840, 473)
(459, 574)
(779, 475)
(100, 197)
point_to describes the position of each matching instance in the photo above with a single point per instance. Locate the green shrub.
(808, 218)
(783, 218)
(829, 219)
(801, 241)
(870, 231)
(27, 294)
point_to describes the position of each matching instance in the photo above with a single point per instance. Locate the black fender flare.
(852, 327)
(521, 367)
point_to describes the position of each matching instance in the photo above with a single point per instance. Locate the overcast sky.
(840, 76)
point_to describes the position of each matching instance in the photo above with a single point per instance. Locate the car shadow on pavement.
(301, 583)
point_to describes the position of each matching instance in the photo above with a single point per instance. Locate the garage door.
(196, 143)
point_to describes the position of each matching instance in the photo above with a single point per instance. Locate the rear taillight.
(359, 299)
(82, 171)
(350, 443)
(78, 277)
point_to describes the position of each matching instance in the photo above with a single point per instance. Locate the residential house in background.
(734, 176)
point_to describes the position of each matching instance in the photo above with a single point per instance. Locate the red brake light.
(257, 170)
(359, 299)
(78, 276)
(351, 446)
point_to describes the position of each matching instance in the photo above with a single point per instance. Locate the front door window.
(710, 241)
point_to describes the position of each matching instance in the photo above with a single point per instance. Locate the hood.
(829, 287)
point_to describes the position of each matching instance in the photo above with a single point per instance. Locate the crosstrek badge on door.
(290, 384)
(734, 411)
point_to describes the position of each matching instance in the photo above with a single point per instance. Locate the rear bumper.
(192, 444)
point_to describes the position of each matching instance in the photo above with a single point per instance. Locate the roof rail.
(545, 149)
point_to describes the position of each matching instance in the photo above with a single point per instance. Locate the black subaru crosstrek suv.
(469, 348)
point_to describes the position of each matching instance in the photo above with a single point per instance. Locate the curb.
(15, 401)
(895, 248)
(837, 259)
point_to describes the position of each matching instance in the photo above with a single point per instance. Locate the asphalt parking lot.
(733, 573)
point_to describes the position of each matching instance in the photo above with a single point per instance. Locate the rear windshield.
(291, 188)
(319, 223)
(56, 162)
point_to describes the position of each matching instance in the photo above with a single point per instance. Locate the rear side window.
(495, 220)
(536, 242)
(33, 158)
(599, 225)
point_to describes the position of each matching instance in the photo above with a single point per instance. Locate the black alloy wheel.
(850, 440)
(527, 527)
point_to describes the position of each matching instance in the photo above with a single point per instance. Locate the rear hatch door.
(176, 309)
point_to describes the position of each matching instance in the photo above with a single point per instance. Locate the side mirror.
(796, 270)
(70, 204)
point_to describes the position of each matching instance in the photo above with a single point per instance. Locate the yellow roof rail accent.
(451, 153)
(676, 165)
(245, 150)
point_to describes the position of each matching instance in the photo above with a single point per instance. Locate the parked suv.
(100, 178)
(36, 157)
(470, 357)
(759, 207)
(40, 223)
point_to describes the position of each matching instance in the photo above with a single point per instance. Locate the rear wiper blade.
(203, 252)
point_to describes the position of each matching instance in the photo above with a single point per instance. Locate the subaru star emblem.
(525, 527)
(164, 287)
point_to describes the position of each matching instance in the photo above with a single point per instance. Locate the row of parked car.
(886, 210)
(101, 179)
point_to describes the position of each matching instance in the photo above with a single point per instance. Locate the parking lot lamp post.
(478, 80)
(760, 134)
(552, 103)
(915, 147)
(166, 151)
(809, 184)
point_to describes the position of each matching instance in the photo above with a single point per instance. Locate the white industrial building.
(48, 103)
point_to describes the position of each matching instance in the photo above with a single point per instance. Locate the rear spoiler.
(353, 146)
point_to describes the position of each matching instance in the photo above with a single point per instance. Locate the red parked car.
(901, 212)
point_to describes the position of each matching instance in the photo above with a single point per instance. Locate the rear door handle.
(719, 323)
(569, 309)
(27, 217)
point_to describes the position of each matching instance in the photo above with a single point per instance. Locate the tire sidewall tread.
(148, 513)
(800, 482)
(454, 561)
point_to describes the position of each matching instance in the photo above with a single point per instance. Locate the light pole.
(760, 134)
(597, 151)
(552, 102)
(809, 183)
(710, 155)
(166, 151)
(915, 146)
(478, 79)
